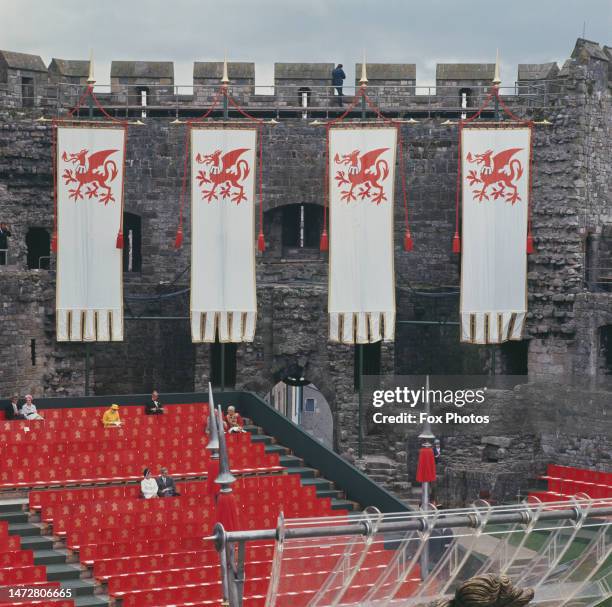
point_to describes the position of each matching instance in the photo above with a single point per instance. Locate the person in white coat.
(148, 485)
(29, 409)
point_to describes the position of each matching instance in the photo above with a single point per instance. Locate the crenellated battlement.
(300, 89)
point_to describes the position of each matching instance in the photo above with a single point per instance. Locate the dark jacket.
(9, 412)
(152, 409)
(338, 76)
(4, 234)
(166, 487)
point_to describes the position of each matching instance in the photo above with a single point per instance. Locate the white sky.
(268, 31)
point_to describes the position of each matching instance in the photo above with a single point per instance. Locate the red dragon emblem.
(226, 172)
(499, 170)
(365, 171)
(94, 170)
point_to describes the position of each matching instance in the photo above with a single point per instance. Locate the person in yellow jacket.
(111, 417)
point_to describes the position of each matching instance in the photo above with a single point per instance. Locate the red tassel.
(456, 243)
(261, 243)
(178, 241)
(408, 243)
(227, 511)
(120, 240)
(54, 242)
(530, 247)
(212, 473)
(324, 245)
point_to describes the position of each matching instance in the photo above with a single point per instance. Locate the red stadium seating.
(563, 482)
(72, 447)
(152, 552)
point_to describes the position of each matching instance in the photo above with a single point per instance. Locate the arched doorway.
(304, 404)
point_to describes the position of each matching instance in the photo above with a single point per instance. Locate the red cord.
(456, 237)
(54, 170)
(261, 244)
(324, 244)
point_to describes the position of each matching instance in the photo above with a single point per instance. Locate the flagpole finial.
(90, 78)
(225, 77)
(363, 81)
(496, 78)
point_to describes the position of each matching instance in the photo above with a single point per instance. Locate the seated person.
(12, 410)
(233, 420)
(148, 485)
(111, 417)
(29, 409)
(165, 484)
(154, 407)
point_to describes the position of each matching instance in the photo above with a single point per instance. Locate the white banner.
(495, 192)
(361, 192)
(89, 289)
(223, 298)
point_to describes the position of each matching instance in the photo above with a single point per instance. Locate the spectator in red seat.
(154, 407)
(111, 418)
(233, 420)
(29, 409)
(165, 484)
(148, 485)
(12, 411)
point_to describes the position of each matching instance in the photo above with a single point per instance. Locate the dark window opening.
(33, 351)
(132, 248)
(605, 348)
(309, 405)
(27, 91)
(302, 225)
(371, 360)
(39, 248)
(515, 357)
(219, 354)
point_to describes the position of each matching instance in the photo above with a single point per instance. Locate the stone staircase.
(295, 465)
(50, 551)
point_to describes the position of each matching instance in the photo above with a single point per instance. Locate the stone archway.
(299, 399)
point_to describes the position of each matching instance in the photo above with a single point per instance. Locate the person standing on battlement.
(338, 77)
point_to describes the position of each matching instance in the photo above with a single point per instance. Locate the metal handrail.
(280, 97)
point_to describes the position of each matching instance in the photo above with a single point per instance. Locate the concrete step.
(97, 600)
(333, 493)
(62, 571)
(261, 438)
(280, 449)
(14, 517)
(318, 482)
(50, 557)
(13, 505)
(290, 461)
(24, 529)
(342, 504)
(36, 542)
(79, 587)
(303, 471)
